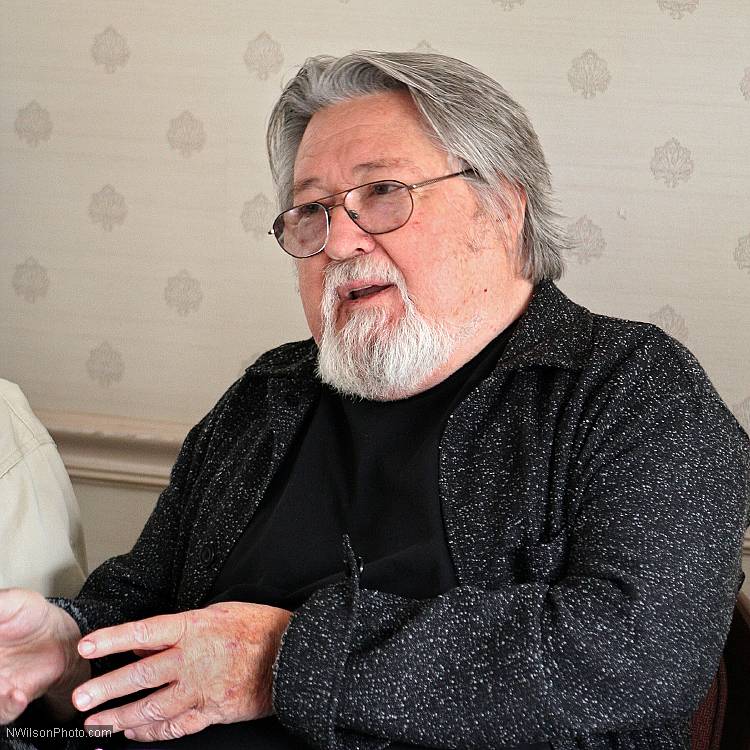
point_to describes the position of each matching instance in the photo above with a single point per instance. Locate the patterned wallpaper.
(136, 277)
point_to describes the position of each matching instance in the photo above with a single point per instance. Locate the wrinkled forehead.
(357, 138)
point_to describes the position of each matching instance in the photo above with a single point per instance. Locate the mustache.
(340, 272)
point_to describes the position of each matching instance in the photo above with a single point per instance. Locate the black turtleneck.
(367, 468)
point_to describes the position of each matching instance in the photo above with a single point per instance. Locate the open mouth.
(367, 291)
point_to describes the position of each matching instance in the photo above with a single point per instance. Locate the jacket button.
(207, 553)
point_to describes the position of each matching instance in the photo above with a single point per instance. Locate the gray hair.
(467, 114)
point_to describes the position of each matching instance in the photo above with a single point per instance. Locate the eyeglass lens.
(376, 208)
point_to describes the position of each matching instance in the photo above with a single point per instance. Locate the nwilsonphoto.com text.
(50, 733)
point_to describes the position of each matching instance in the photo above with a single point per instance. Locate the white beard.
(373, 356)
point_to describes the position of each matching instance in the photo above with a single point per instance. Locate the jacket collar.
(553, 331)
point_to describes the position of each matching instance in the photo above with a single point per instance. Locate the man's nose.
(345, 238)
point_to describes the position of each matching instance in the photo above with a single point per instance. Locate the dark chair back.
(735, 734)
(722, 721)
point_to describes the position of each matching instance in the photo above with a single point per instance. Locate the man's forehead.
(361, 170)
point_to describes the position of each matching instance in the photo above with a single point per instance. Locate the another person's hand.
(213, 666)
(37, 654)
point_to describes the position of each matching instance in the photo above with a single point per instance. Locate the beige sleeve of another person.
(41, 538)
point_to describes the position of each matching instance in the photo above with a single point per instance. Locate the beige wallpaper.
(136, 278)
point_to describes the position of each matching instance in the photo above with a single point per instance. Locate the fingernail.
(85, 648)
(82, 700)
(129, 733)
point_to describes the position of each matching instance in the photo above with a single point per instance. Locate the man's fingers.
(153, 671)
(158, 708)
(149, 634)
(148, 651)
(190, 722)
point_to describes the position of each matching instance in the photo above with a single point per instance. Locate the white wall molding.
(115, 450)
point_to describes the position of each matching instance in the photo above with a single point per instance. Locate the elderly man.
(541, 508)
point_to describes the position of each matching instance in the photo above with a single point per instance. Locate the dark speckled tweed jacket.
(594, 490)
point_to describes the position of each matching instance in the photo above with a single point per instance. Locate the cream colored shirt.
(41, 538)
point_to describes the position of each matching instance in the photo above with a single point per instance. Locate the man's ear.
(516, 200)
(513, 214)
(513, 217)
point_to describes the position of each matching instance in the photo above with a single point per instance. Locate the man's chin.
(377, 315)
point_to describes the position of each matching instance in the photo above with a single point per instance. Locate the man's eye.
(310, 209)
(384, 188)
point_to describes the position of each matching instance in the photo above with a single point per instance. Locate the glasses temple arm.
(439, 179)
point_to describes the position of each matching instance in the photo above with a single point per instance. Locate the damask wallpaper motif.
(136, 272)
(110, 49)
(186, 134)
(107, 208)
(588, 74)
(33, 123)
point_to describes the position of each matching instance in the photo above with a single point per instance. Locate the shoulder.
(288, 359)
(20, 430)
(601, 344)
(292, 363)
(633, 344)
(12, 399)
(246, 399)
(644, 363)
(294, 360)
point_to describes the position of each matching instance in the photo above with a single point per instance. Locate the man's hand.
(213, 666)
(37, 654)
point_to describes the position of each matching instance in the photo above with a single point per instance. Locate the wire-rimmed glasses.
(375, 207)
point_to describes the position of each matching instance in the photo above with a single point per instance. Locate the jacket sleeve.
(141, 583)
(628, 635)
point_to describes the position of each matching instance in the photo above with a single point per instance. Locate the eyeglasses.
(376, 208)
